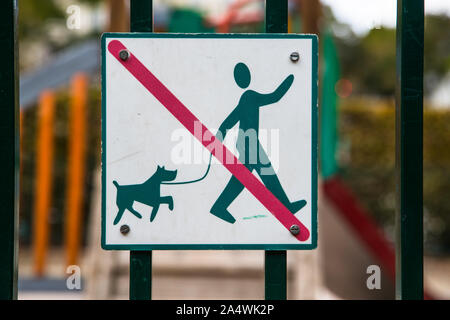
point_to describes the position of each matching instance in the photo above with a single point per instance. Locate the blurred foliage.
(43, 30)
(33, 15)
(91, 2)
(378, 69)
(369, 61)
(437, 49)
(59, 168)
(256, 27)
(367, 157)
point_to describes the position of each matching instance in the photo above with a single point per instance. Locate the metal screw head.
(124, 229)
(124, 55)
(295, 229)
(295, 56)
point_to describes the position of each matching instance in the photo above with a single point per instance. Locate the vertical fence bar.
(276, 16)
(140, 275)
(275, 264)
(409, 149)
(9, 149)
(43, 184)
(275, 273)
(76, 167)
(141, 20)
(141, 16)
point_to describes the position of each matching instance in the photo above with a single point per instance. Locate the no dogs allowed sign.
(209, 141)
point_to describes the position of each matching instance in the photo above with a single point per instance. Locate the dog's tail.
(116, 184)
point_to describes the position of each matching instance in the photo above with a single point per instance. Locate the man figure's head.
(242, 75)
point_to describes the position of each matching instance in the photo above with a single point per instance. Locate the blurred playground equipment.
(347, 234)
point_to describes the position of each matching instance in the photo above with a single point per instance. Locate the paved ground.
(202, 283)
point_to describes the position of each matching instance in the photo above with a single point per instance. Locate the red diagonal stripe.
(187, 118)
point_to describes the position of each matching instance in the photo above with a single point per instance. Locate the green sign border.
(314, 171)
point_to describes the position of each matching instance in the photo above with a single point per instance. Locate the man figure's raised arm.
(268, 98)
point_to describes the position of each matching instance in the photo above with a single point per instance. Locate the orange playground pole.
(76, 167)
(43, 186)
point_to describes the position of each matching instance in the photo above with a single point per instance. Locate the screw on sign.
(295, 56)
(295, 229)
(124, 229)
(124, 54)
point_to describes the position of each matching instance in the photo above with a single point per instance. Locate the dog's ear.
(158, 168)
(163, 167)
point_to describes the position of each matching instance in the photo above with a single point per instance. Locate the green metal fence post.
(9, 149)
(140, 275)
(141, 20)
(276, 16)
(141, 15)
(275, 273)
(409, 151)
(276, 261)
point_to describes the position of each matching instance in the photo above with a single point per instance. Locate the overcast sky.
(363, 15)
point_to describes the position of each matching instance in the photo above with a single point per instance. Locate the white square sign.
(209, 141)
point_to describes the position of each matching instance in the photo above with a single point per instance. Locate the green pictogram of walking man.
(251, 153)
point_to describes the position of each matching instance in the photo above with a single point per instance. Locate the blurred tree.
(91, 2)
(437, 49)
(34, 14)
(368, 60)
(43, 29)
(377, 62)
(367, 163)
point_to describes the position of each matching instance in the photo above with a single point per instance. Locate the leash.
(196, 180)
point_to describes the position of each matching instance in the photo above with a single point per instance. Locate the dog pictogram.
(148, 193)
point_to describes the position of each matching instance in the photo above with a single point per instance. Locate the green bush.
(367, 158)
